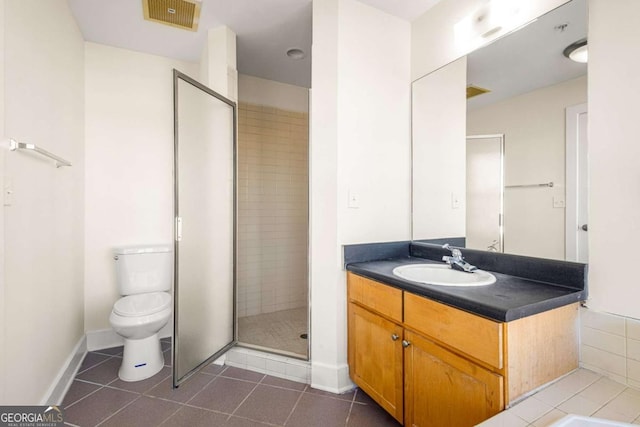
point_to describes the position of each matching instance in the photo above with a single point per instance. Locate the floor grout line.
(305, 389)
(119, 410)
(86, 395)
(93, 366)
(200, 391)
(599, 406)
(294, 406)
(172, 414)
(346, 422)
(245, 399)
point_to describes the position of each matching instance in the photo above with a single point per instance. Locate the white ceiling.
(529, 58)
(265, 30)
(405, 9)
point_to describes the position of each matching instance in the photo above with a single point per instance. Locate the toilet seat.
(142, 304)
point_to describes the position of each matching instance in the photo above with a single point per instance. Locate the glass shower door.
(204, 179)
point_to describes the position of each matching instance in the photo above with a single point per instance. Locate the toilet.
(143, 274)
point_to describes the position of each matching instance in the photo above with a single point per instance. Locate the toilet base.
(142, 359)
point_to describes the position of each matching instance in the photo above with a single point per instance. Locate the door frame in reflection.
(491, 205)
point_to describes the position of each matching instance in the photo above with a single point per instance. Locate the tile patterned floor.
(279, 330)
(582, 392)
(217, 396)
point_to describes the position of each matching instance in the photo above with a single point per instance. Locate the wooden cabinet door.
(375, 358)
(443, 389)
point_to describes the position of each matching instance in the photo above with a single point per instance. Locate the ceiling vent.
(183, 14)
(475, 91)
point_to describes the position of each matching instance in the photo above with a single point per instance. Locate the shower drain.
(304, 336)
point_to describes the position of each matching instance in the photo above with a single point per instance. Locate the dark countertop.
(508, 299)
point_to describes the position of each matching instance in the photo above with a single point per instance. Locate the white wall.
(3, 365)
(533, 154)
(254, 90)
(218, 62)
(328, 320)
(439, 142)
(614, 184)
(129, 160)
(43, 240)
(360, 111)
(374, 124)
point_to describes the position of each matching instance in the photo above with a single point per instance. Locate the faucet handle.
(455, 252)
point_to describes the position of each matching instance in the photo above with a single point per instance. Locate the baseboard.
(331, 378)
(104, 338)
(58, 389)
(107, 338)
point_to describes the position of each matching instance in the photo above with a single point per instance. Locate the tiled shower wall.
(610, 345)
(273, 146)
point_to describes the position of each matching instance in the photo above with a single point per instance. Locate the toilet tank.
(143, 269)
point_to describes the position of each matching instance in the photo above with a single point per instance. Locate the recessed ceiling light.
(295, 53)
(577, 51)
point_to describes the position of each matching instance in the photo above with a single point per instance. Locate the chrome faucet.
(456, 261)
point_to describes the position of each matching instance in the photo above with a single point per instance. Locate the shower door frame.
(177, 75)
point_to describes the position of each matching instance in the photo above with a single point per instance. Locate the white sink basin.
(443, 275)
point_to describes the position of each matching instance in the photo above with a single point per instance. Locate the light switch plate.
(558, 202)
(455, 201)
(7, 192)
(354, 200)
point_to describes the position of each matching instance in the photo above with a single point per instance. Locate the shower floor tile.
(279, 330)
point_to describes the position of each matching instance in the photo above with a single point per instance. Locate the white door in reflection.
(484, 202)
(577, 169)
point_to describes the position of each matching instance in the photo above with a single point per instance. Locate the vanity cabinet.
(375, 337)
(377, 358)
(430, 364)
(444, 389)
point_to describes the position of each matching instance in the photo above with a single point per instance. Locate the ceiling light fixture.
(577, 51)
(295, 53)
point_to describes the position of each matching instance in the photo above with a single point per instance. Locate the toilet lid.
(142, 304)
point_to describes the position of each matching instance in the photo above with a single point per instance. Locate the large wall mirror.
(505, 169)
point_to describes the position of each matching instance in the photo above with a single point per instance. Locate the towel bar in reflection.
(544, 184)
(15, 145)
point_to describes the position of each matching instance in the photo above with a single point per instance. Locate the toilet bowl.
(144, 276)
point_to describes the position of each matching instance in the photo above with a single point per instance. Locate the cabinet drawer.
(375, 296)
(476, 336)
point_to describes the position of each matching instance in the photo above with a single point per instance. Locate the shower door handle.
(178, 229)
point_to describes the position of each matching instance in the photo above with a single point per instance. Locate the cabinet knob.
(405, 343)
(394, 337)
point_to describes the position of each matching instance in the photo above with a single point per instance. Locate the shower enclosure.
(273, 229)
(204, 188)
(241, 244)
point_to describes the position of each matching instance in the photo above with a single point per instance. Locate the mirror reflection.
(503, 169)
